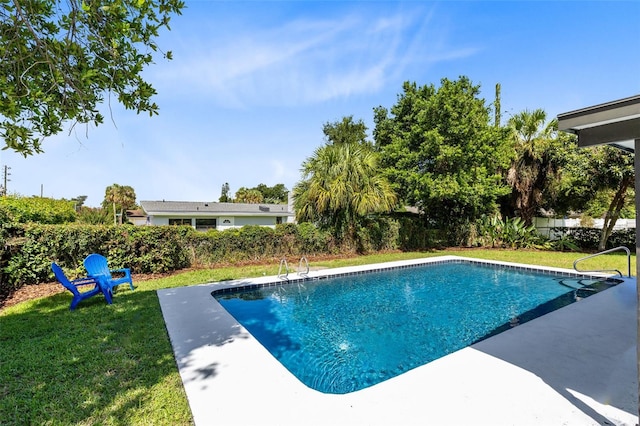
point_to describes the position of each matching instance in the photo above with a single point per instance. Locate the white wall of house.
(226, 222)
(250, 220)
(222, 222)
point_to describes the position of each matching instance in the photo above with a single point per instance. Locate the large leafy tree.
(119, 198)
(341, 182)
(60, 59)
(442, 152)
(276, 194)
(599, 180)
(345, 131)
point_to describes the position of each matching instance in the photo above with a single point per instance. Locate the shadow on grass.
(99, 364)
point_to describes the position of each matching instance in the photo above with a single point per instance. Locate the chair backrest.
(96, 264)
(62, 278)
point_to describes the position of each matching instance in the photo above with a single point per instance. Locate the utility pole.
(6, 174)
(497, 106)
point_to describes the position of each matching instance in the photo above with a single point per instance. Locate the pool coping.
(230, 378)
(228, 287)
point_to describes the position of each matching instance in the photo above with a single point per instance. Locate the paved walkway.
(574, 366)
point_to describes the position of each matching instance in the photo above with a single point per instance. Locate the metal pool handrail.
(306, 262)
(606, 252)
(286, 268)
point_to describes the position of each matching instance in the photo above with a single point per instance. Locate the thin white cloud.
(306, 61)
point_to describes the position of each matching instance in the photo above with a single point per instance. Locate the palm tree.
(342, 184)
(111, 195)
(534, 162)
(119, 196)
(250, 196)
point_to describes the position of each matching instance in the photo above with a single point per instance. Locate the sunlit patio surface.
(574, 366)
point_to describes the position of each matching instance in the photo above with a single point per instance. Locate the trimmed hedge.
(29, 249)
(143, 249)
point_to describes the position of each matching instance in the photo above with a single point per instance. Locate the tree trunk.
(613, 212)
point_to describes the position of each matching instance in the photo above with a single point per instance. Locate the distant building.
(209, 215)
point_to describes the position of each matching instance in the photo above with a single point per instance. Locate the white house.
(209, 215)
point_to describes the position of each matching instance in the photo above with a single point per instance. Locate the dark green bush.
(589, 238)
(378, 233)
(623, 237)
(313, 241)
(414, 234)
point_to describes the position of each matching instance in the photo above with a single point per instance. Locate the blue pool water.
(344, 334)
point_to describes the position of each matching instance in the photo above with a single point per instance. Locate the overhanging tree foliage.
(442, 153)
(59, 59)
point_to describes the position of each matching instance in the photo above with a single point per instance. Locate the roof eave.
(616, 123)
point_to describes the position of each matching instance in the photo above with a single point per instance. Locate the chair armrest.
(125, 271)
(84, 281)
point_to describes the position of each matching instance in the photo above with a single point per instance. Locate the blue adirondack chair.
(97, 267)
(73, 286)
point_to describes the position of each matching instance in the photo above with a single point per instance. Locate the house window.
(180, 222)
(205, 224)
(279, 220)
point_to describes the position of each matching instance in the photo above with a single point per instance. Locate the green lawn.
(113, 365)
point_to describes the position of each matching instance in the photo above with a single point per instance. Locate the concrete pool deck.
(574, 366)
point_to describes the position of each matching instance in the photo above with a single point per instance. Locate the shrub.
(413, 233)
(37, 209)
(509, 233)
(378, 233)
(589, 238)
(623, 237)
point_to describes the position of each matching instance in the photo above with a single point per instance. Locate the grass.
(113, 364)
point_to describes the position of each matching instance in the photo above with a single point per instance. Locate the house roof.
(616, 123)
(197, 208)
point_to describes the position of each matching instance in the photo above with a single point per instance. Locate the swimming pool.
(351, 332)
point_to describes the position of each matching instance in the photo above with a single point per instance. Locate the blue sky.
(253, 82)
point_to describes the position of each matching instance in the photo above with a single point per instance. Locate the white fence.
(545, 225)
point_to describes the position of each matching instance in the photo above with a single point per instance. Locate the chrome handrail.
(606, 252)
(300, 266)
(283, 261)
